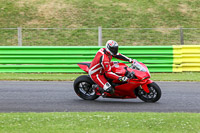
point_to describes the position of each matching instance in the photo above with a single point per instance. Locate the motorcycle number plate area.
(145, 88)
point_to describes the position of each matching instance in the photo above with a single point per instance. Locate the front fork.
(145, 87)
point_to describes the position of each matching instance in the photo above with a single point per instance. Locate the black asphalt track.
(34, 96)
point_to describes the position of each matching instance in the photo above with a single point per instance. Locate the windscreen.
(137, 66)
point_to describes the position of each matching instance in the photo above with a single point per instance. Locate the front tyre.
(83, 88)
(153, 96)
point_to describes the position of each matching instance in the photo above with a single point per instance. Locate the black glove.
(123, 79)
(132, 60)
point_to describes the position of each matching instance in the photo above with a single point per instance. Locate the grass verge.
(99, 122)
(185, 76)
(91, 14)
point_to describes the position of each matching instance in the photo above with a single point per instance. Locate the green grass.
(185, 76)
(99, 122)
(105, 13)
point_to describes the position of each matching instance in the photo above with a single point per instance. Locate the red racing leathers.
(101, 64)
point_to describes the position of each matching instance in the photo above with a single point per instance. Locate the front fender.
(149, 81)
(145, 87)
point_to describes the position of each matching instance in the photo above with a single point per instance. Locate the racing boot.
(110, 90)
(98, 90)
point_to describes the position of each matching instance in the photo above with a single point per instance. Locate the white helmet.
(112, 47)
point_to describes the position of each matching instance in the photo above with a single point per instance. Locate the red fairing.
(141, 75)
(119, 68)
(126, 90)
(84, 66)
(149, 81)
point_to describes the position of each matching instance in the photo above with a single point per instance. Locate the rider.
(101, 65)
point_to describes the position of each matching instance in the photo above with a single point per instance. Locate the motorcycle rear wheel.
(83, 88)
(153, 96)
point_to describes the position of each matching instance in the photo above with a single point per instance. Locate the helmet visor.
(114, 50)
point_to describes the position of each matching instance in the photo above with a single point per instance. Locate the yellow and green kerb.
(186, 58)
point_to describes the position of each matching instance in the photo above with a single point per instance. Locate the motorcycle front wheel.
(153, 96)
(83, 88)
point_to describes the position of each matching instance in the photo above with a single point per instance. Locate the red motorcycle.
(138, 84)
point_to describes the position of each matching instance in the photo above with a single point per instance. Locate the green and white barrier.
(65, 59)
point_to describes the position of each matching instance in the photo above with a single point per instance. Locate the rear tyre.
(83, 88)
(153, 96)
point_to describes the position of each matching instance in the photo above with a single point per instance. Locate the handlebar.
(128, 74)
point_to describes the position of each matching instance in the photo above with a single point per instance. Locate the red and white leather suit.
(101, 65)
